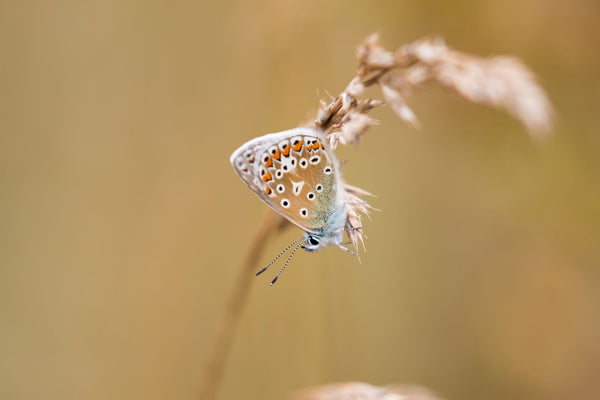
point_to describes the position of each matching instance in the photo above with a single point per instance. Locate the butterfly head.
(312, 242)
(316, 241)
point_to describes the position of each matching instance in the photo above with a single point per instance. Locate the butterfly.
(296, 173)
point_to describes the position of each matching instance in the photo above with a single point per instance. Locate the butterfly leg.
(347, 250)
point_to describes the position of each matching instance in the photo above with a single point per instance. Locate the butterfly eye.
(328, 170)
(312, 241)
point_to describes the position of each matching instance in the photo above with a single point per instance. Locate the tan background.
(123, 224)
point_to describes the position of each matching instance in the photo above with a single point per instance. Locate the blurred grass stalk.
(501, 82)
(269, 225)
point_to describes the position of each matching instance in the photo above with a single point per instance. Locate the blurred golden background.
(124, 226)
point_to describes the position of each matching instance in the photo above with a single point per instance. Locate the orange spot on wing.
(316, 146)
(298, 145)
(277, 155)
(268, 190)
(267, 177)
(251, 160)
(269, 162)
(286, 150)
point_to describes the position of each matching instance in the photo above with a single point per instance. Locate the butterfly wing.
(296, 174)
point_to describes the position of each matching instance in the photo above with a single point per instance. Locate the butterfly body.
(296, 174)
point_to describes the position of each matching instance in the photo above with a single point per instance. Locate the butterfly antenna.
(287, 262)
(280, 254)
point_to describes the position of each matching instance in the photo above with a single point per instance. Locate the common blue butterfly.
(297, 174)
